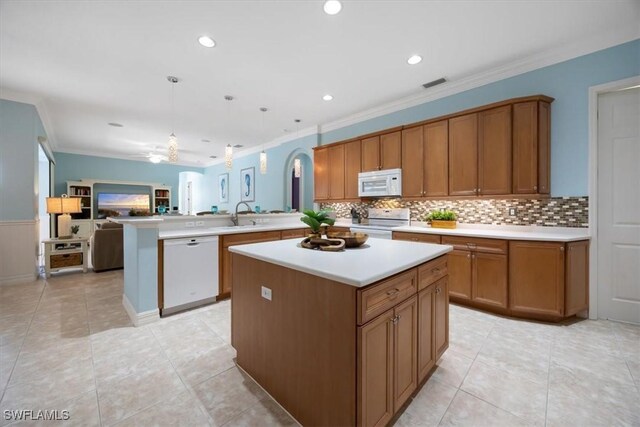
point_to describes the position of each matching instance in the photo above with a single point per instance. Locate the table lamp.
(63, 205)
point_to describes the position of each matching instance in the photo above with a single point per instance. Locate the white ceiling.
(87, 63)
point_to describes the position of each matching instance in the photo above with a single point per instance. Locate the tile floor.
(67, 343)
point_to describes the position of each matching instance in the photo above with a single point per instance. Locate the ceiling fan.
(154, 156)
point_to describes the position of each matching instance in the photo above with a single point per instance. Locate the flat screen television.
(114, 204)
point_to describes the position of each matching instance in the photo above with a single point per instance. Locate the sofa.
(107, 247)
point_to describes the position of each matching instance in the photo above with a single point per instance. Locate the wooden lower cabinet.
(489, 281)
(405, 348)
(433, 326)
(296, 233)
(548, 280)
(441, 327)
(459, 266)
(416, 237)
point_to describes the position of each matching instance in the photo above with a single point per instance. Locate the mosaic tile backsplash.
(551, 212)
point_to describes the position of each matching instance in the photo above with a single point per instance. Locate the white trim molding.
(140, 319)
(18, 251)
(594, 92)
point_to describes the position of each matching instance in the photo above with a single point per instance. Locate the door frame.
(594, 92)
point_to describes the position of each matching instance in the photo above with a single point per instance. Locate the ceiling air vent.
(434, 83)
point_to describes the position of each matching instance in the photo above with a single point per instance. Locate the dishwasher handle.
(193, 244)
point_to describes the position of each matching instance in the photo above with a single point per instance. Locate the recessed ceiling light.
(207, 41)
(238, 146)
(205, 140)
(415, 59)
(327, 97)
(115, 125)
(213, 157)
(332, 7)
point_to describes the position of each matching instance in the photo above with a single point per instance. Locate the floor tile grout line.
(188, 388)
(448, 406)
(93, 361)
(546, 407)
(24, 339)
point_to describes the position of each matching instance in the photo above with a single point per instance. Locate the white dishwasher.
(190, 272)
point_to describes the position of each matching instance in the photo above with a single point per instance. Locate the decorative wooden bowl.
(331, 245)
(351, 240)
(443, 224)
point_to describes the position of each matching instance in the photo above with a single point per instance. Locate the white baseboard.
(140, 319)
(23, 278)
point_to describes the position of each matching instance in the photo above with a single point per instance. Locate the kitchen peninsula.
(340, 338)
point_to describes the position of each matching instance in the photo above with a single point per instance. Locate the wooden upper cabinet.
(536, 278)
(494, 151)
(390, 150)
(531, 147)
(436, 159)
(321, 173)
(336, 172)
(371, 154)
(463, 155)
(352, 159)
(413, 162)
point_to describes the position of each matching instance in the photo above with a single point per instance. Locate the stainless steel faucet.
(234, 217)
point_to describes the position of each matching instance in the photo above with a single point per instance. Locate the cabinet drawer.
(65, 260)
(293, 234)
(492, 246)
(416, 237)
(431, 272)
(379, 298)
(260, 236)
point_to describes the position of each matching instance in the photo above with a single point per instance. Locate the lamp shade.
(63, 205)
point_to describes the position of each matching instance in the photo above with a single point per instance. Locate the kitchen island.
(340, 338)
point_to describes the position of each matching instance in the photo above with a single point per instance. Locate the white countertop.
(217, 231)
(375, 260)
(507, 232)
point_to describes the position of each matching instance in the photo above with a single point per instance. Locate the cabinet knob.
(561, 248)
(478, 190)
(468, 255)
(438, 290)
(395, 319)
(535, 187)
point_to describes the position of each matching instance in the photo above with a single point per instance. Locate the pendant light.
(173, 141)
(297, 167)
(228, 151)
(263, 155)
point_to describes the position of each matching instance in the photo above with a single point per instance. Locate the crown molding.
(534, 62)
(41, 108)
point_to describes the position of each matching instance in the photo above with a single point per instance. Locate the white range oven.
(382, 222)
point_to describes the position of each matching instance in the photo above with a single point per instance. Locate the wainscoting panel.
(18, 251)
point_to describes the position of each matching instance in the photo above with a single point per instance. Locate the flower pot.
(443, 224)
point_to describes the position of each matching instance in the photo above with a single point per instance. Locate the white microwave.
(384, 183)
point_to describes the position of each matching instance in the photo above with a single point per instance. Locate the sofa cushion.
(108, 225)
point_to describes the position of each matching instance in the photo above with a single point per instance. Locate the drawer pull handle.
(395, 319)
(435, 270)
(438, 290)
(393, 293)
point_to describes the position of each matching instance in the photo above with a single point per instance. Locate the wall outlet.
(199, 223)
(513, 211)
(266, 293)
(189, 224)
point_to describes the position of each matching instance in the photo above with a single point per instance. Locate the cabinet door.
(577, 282)
(375, 371)
(321, 174)
(371, 154)
(459, 266)
(441, 330)
(426, 331)
(544, 147)
(525, 147)
(352, 159)
(405, 351)
(463, 155)
(536, 278)
(412, 162)
(390, 150)
(494, 151)
(416, 237)
(336, 172)
(436, 159)
(489, 279)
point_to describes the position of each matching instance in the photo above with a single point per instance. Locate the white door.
(619, 205)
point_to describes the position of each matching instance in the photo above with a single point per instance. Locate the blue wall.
(20, 127)
(270, 188)
(568, 82)
(73, 167)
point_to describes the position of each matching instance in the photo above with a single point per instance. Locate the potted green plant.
(442, 219)
(315, 220)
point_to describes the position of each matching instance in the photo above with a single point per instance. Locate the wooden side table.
(61, 254)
